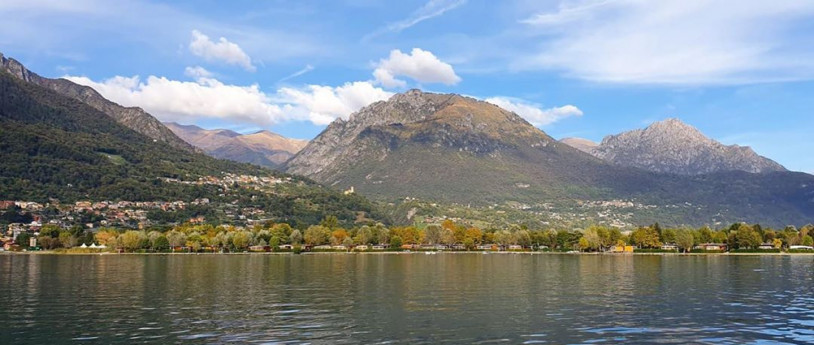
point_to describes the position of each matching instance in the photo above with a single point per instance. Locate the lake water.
(406, 298)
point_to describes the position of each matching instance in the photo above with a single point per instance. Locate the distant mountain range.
(672, 146)
(262, 148)
(456, 149)
(59, 140)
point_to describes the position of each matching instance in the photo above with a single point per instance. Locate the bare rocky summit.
(132, 117)
(581, 144)
(262, 148)
(672, 146)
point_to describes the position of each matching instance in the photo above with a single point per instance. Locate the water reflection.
(449, 298)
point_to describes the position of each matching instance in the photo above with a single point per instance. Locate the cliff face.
(672, 146)
(132, 117)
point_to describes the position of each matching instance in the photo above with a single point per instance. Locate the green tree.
(132, 240)
(684, 239)
(747, 237)
(296, 237)
(317, 235)
(23, 239)
(807, 241)
(241, 239)
(161, 244)
(67, 239)
(395, 243)
(432, 234)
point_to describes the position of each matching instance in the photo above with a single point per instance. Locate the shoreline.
(408, 253)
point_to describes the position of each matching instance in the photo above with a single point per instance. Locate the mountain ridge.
(132, 117)
(456, 149)
(672, 146)
(262, 147)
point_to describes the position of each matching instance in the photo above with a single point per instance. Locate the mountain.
(262, 148)
(132, 117)
(454, 149)
(55, 146)
(672, 146)
(581, 144)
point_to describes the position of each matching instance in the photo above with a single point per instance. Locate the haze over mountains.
(672, 146)
(262, 148)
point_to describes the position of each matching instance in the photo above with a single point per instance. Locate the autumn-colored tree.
(645, 237)
(338, 236)
(475, 234)
(107, 237)
(133, 240)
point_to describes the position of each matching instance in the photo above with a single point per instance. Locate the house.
(765, 246)
(339, 247)
(669, 246)
(801, 248)
(323, 247)
(259, 248)
(361, 247)
(621, 249)
(379, 247)
(515, 247)
(488, 246)
(712, 246)
(286, 247)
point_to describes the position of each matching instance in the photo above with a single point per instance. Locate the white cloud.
(306, 69)
(325, 103)
(534, 113)
(674, 41)
(173, 100)
(197, 72)
(222, 50)
(431, 9)
(420, 65)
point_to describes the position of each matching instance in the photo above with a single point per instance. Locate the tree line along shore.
(329, 236)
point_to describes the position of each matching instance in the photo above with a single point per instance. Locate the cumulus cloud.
(325, 103)
(673, 41)
(534, 113)
(197, 72)
(174, 100)
(419, 65)
(222, 50)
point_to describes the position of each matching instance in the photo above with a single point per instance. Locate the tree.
(584, 244)
(107, 237)
(338, 236)
(67, 239)
(23, 239)
(364, 235)
(241, 239)
(176, 238)
(645, 238)
(132, 240)
(316, 235)
(432, 234)
(330, 222)
(475, 234)
(296, 237)
(747, 237)
(395, 243)
(777, 243)
(592, 239)
(684, 239)
(807, 241)
(161, 244)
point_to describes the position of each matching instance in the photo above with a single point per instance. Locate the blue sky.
(741, 71)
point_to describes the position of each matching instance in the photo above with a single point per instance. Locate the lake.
(406, 298)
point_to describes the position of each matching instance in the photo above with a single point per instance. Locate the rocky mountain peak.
(672, 146)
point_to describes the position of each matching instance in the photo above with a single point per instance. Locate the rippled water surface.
(406, 298)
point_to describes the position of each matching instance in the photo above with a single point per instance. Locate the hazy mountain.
(581, 144)
(262, 148)
(672, 146)
(132, 117)
(451, 148)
